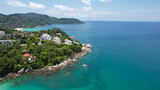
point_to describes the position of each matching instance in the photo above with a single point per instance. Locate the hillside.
(32, 20)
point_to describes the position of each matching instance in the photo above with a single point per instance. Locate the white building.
(68, 42)
(2, 33)
(45, 37)
(57, 40)
(18, 29)
(58, 34)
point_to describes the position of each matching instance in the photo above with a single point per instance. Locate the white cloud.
(105, 0)
(64, 11)
(35, 5)
(87, 2)
(86, 9)
(84, 12)
(16, 3)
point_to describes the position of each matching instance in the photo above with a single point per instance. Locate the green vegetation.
(47, 54)
(32, 20)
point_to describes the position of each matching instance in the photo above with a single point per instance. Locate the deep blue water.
(125, 56)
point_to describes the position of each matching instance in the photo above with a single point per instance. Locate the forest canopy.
(32, 20)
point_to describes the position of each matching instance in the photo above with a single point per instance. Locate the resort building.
(57, 40)
(68, 42)
(28, 57)
(45, 37)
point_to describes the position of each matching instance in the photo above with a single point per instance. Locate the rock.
(21, 71)
(27, 70)
(88, 45)
(12, 75)
(84, 49)
(50, 69)
(15, 84)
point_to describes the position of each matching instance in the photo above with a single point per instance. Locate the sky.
(89, 10)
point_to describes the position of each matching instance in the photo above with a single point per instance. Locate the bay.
(125, 56)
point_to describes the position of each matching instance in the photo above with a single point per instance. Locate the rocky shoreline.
(50, 69)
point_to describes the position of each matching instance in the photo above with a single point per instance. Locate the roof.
(26, 55)
(45, 37)
(2, 32)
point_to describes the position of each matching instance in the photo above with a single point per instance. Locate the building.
(28, 57)
(45, 37)
(58, 34)
(68, 42)
(7, 42)
(18, 29)
(2, 33)
(57, 40)
(76, 42)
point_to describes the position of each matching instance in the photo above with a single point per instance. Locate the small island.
(37, 52)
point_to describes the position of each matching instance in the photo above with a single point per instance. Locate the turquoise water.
(125, 56)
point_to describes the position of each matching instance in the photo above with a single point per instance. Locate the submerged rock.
(84, 65)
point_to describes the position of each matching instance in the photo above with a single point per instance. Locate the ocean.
(125, 56)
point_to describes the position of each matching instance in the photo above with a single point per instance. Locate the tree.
(43, 57)
(17, 68)
(37, 65)
(67, 50)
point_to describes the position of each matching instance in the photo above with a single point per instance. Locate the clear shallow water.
(125, 56)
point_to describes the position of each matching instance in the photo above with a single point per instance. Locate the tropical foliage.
(32, 20)
(47, 54)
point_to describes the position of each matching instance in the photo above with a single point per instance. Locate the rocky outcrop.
(87, 45)
(12, 75)
(51, 69)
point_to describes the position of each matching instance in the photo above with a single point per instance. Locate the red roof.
(28, 55)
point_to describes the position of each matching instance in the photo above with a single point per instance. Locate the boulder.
(88, 46)
(21, 71)
(27, 70)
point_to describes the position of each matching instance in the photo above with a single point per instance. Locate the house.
(45, 37)
(68, 42)
(23, 45)
(40, 43)
(7, 42)
(25, 51)
(57, 40)
(18, 29)
(2, 33)
(58, 34)
(28, 56)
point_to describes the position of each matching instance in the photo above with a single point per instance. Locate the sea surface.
(125, 56)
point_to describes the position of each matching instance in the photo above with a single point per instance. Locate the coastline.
(50, 69)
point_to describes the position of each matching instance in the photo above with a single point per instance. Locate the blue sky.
(101, 10)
